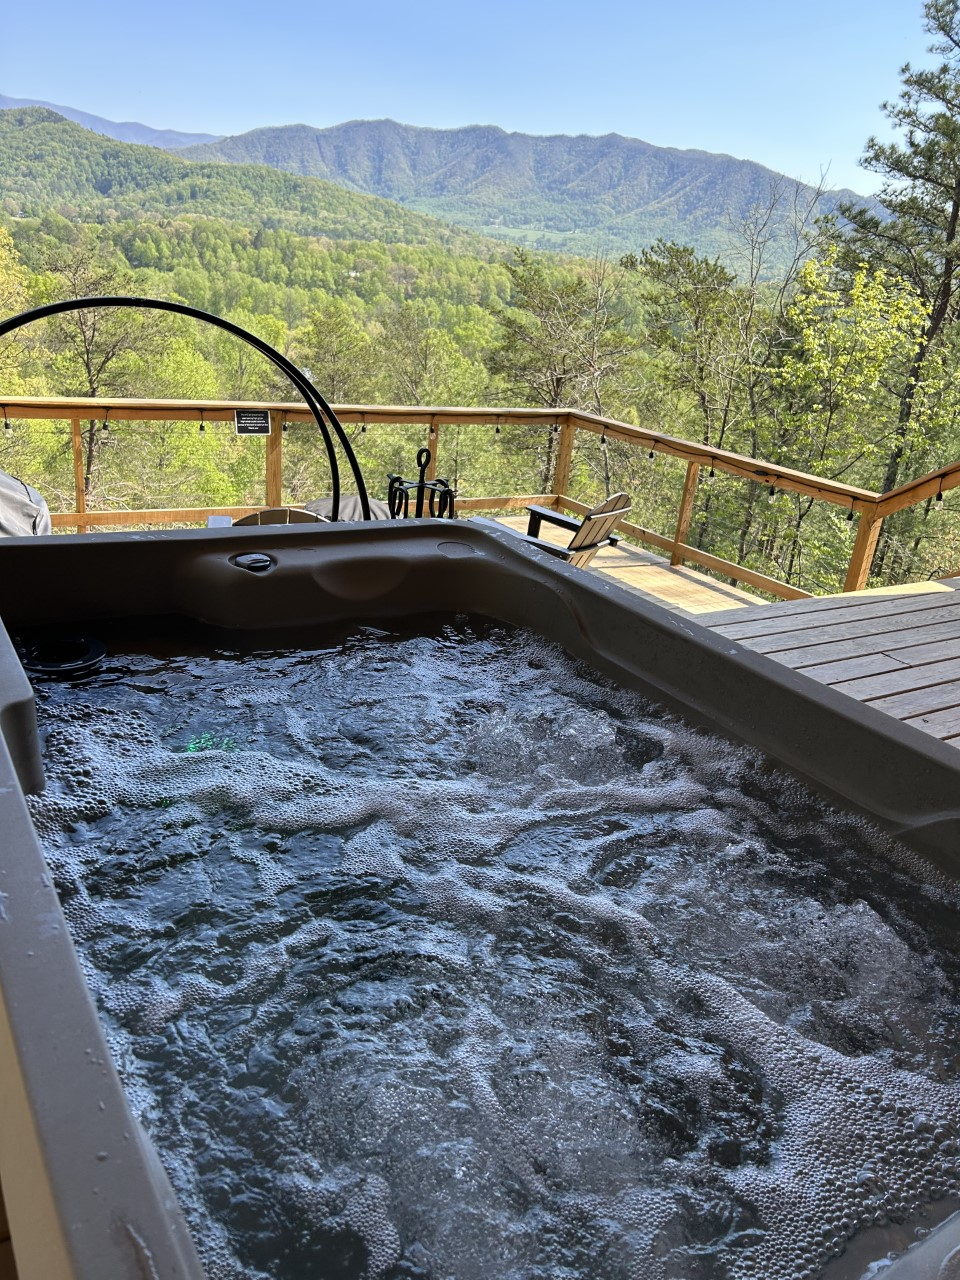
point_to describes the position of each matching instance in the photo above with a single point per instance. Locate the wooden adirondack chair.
(591, 533)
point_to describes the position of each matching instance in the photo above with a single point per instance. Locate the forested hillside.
(570, 193)
(843, 360)
(49, 162)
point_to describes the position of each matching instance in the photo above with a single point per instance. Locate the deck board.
(782, 609)
(900, 680)
(922, 701)
(892, 625)
(917, 655)
(941, 724)
(868, 664)
(892, 642)
(772, 624)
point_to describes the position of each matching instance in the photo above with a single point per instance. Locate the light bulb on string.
(363, 424)
(938, 499)
(105, 429)
(650, 454)
(850, 512)
(7, 429)
(203, 425)
(772, 494)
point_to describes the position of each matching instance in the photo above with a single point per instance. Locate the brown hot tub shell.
(85, 1194)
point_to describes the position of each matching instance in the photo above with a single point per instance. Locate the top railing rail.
(143, 410)
(869, 506)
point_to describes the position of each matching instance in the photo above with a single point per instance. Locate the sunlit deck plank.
(653, 577)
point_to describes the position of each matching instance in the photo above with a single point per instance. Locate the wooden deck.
(652, 576)
(896, 649)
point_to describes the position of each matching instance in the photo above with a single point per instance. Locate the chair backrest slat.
(580, 559)
(600, 522)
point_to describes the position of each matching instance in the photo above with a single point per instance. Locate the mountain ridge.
(577, 194)
(123, 131)
(551, 191)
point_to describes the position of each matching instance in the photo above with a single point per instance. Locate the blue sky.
(797, 87)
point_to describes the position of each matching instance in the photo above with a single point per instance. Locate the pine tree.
(916, 234)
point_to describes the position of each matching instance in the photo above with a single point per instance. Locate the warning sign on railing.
(252, 422)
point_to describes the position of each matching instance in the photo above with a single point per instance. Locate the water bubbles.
(437, 955)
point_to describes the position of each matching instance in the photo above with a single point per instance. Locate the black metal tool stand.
(436, 494)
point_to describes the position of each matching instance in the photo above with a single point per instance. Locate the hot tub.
(84, 1192)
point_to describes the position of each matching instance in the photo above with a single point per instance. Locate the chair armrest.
(561, 553)
(539, 514)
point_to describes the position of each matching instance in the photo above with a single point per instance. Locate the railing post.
(686, 511)
(861, 558)
(433, 442)
(561, 471)
(79, 492)
(274, 462)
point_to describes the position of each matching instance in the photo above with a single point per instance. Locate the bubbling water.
(439, 956)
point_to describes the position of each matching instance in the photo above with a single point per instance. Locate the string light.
(363, 423)
(603, 440)
(938, 499)
(772, 495)
(850, 512)
(711, 474)
(105, 429)
(7, 429)
(203, 425)
(284, 424)
(650, 454)
(496, 431)
(433, 427)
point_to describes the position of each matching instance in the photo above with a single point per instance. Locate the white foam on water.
(437, 956)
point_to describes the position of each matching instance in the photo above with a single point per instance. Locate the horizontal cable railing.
(869, 507)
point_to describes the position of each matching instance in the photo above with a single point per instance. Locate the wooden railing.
(868, 507)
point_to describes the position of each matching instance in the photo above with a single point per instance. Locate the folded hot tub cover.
(23, 511)
(350, 508)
